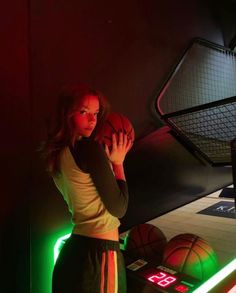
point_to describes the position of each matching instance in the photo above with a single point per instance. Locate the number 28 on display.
(162, 279)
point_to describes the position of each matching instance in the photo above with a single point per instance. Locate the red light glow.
(181, 288)
(162, 279)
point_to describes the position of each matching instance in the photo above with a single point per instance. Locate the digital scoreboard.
(141, 274)
(150, 278)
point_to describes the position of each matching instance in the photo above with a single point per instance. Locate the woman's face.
(85, 118)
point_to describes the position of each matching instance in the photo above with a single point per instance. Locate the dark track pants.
(89, 265)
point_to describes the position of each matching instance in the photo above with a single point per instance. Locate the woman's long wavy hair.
(61, 132)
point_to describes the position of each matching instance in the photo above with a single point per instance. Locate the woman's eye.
(82, 112)
(96, 114)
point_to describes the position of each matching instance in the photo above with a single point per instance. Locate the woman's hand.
(119, 148)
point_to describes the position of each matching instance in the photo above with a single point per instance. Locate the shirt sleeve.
(91, 158)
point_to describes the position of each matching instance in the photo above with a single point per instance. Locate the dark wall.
(224, 13)
(15, 146)
(124, 48)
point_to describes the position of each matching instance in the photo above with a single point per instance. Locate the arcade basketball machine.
(198, 103)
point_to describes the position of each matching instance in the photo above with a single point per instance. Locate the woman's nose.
(92, 118)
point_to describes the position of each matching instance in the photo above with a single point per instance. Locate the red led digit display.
(181, 288)
(167, 281)
(157, 277)
(162, 279)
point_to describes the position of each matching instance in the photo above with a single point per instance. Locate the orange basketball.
(191, 255)
(114, 124)
(146, 241)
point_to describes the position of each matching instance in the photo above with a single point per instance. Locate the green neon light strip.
(217, 278)
(58, 244)
(186, 283)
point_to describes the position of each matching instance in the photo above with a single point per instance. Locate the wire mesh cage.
(198, 100)
(210, 129)
(206, 73)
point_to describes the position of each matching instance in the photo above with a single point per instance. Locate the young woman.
(92, 181)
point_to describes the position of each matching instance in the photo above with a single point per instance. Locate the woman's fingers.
(121, 144)
(125, 139)
(107, 151)
(114, 141)
(129, 144)
(121, 139)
